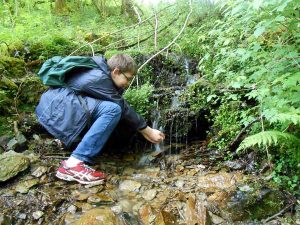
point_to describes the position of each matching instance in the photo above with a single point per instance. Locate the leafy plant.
(139, 99)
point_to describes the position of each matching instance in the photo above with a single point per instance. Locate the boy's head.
(123, 69)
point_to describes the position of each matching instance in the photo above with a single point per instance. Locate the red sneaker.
(80, 173)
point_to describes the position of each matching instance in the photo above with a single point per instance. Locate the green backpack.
(54, 70)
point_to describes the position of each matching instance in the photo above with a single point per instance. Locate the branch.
(173, 41)
(279, 213)
(117, 31)
(236, 139)
(155, 29)
(146, 38)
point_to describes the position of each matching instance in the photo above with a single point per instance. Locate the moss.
(12, 67)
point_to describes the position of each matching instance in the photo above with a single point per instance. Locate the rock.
(72, 209)
(235, 165)
(130, 185)
(98, 216)
(24, 186)
(11, 163)
(149, 194)
(219, 181)
(5, 220)
(99, 199)
(3, 141)
(147, 214)
(117, 209)
(39, 171)
(179, 183)
(254, 204)
(17, 143)
(196, 212)
(165, 218)
(21, 216)
(216, 219)
(37, 214)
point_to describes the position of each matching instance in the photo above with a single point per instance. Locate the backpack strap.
(84, 106)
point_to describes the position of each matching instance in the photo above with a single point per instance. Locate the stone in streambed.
(130, 185)
(12, 163)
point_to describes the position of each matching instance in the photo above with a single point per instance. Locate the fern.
(268, 138)
(286, 117)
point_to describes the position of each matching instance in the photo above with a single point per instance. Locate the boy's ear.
(116, 71)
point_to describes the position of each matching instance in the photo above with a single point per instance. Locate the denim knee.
(111, 108)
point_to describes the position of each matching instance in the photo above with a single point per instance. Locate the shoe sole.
(70, 178)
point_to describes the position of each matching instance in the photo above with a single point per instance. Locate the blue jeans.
(105, 118)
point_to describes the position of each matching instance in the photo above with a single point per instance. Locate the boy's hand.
(153, 135)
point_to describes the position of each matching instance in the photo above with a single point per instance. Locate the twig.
(155, 29)
(166, 47)
(118, 31)
(235, 140)
(278, 214)
(173, 41)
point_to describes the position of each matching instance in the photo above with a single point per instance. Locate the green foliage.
(268, 138)
(139, 99)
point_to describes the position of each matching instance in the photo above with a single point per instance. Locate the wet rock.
(18, 143)
(130, 185)
(216, 219)
(235, 165)
(126, 204)
(219, 181)
(24, 186)
(98, 216)
(3, 142)
(149, 194)
(99, 199)
(128, 218)
(165, 218)
(254, 204)
(72, 209)
(41, 170)
(11, 163)
(196, 212)
(147, 214)
(37, 215)
(21, 216)
(117, 209)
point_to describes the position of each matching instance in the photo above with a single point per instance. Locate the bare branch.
(117, 31)
(173, 41)
(155, 29)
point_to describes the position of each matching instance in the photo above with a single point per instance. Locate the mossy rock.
(12, 67)
(31, 89)
(12, 163)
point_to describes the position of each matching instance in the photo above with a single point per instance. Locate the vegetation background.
(247, 55)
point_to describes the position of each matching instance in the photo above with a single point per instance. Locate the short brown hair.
(123, 62)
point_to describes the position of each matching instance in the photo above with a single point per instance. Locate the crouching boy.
(92, 99)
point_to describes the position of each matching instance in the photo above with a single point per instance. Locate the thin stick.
(155, 29)
(173, 41)
(117, 31)
(279, 213)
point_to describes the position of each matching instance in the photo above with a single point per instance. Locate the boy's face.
(121, 79)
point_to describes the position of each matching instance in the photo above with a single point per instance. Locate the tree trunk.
(60, 6)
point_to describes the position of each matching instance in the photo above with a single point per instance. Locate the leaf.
(210, 97)
(259, 31)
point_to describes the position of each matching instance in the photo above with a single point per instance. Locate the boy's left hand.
(153, 135)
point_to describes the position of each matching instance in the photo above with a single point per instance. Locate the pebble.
(130, 185)
(72, 209)
(37, 214)
(149, 194)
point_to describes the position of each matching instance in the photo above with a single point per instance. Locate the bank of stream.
(181, 181)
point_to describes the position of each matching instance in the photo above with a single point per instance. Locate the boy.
(93, 96)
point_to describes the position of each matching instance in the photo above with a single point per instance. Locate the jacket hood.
(102, 63)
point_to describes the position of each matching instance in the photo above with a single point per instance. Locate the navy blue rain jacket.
(62, 114)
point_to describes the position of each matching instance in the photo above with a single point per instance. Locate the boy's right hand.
(153, 135)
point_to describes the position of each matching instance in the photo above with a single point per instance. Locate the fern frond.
(286, 117)
(267, 138)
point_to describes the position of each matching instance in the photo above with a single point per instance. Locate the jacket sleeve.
(102, 87)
